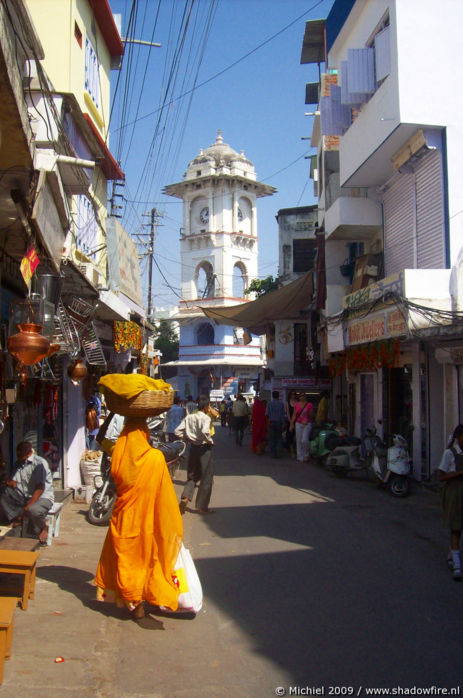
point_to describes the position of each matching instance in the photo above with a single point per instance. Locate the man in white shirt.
(196, 430)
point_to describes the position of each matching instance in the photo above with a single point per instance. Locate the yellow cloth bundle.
(129, 385)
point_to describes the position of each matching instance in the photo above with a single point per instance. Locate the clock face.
(204, 215)
(240, 215)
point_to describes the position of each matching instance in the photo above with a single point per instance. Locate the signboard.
(391, 284)
(216, 395)
(309, 382)
(389, 323)
(123, 266)
(49, 221)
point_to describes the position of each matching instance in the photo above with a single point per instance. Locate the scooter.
(322, 441)
(391, 466)
(346, 456)
(104, 497)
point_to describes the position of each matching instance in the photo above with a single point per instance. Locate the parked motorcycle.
(346, 457)
(392, 466)
(104, 497)
(322, 441)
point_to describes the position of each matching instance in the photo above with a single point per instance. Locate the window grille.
(92, 74)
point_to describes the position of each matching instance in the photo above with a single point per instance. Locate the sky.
(218, 67)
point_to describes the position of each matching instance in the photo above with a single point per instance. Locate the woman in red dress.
(259, 427)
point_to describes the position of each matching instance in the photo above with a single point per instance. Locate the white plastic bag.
(187, 580)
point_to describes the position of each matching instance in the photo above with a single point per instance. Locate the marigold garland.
(370, 357)
(127, 335)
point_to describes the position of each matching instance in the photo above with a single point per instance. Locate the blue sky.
(258, 104)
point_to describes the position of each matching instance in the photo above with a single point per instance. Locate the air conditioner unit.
(93, 274)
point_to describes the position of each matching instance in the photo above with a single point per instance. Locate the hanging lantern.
(28, 345)
(77, 371)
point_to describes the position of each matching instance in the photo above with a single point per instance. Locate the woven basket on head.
(146, 404)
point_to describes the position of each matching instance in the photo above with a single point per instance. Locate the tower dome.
(220, 156)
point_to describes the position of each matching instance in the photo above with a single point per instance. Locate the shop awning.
(111, 307)
(285, 303)
(229, 361)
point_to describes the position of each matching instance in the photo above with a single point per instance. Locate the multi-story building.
(56, 59)
(390, 201)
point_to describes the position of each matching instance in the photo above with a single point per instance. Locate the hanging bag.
(186, 579)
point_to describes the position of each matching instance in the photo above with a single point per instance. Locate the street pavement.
(312, 585)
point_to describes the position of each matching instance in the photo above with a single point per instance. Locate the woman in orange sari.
(259, 427)
(146, 530)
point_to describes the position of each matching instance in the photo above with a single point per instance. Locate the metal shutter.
(430, 231)
(399, 224)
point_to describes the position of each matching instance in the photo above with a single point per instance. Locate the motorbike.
(104, 497)
(346, 457)
(391, 466)
(322, 441)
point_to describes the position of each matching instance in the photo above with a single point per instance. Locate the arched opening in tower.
(240, 280)
(205, 280)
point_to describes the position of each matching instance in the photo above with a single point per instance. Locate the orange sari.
(146, 529)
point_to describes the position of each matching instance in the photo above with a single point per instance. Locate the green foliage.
(262, 286)
(166, 341)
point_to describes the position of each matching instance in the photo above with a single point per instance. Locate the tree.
(262, 286)
(166, 341)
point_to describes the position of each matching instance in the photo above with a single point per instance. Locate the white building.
(390, 188)
(218, 248)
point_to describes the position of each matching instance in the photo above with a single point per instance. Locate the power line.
(229, 67)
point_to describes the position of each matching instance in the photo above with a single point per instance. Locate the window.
(205, 334)
(303, 255)
(92, 73)
(86, 227)
(301, 365)
(286, 259)
(78, 34)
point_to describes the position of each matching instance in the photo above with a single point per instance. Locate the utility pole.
(152, 214)
(150, 252)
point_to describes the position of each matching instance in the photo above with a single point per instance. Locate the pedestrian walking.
(191, 405)
(322, 409)
(173, 418)
(289, 409)
(195, 428)
(223, 413)
(451, 474)
(240, 414)
(139, 553)
(301, 422)
(276, 418)
(92, 421)
(259, 427)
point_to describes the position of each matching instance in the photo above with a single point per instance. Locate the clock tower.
(218, 248)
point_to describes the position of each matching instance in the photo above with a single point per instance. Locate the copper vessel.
(77, 371)
(53, 349)
(28, 345)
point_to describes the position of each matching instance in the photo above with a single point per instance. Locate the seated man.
(28, 491)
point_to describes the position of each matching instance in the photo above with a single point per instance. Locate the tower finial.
(219, 138)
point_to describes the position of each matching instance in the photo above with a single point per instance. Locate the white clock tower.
(218, 248)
